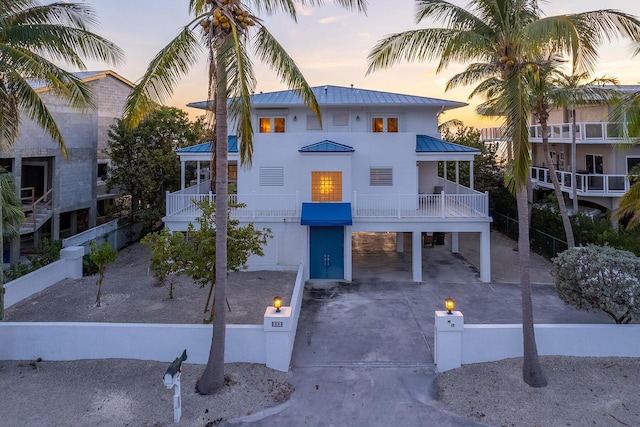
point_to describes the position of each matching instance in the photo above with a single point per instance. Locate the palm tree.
(11, 215)
(501, 39)
(32, 37)
(226, 29)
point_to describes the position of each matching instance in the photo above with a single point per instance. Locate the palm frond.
(273, 54)
(162, 75)
(241, 84)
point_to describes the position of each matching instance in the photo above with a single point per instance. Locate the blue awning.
(326, 214)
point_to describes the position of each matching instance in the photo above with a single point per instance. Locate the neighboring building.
(63, 197)
(371, 166)
(602, 159)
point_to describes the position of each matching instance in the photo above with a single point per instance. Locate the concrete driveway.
(364, 350)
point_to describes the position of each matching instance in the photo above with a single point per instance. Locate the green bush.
(48, 251)
(89, 268)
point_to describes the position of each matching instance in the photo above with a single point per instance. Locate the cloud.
(331, 19)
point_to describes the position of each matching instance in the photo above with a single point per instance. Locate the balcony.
(463, 203)
(586, 132)
(595, 185)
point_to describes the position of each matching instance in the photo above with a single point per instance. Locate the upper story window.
(384, 124)
(313, 123)
(272, 124)
(326, 186)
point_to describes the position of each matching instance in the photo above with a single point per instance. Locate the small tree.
(101, 256)
(144, 164)
(194, 255)
(600, 278)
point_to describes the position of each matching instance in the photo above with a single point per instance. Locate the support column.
(400, 242)
(416, 255)
(348, 255)
(454, 243)
(485, 255)
(457, 176)
(182, 173)
(471, 174)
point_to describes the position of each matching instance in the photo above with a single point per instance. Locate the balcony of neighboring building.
(587, 184)
(586, 133)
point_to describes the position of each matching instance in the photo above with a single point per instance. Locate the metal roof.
(85, 76)
(206, 147)
(327, 146)
(342, 96)
(429, 144)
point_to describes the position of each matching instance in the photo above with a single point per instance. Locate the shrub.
(600, 278)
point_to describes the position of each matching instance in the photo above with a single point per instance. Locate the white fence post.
(73, 257)
(278, 333)
(447, 352)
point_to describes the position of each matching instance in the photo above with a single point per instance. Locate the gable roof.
(342, 96)
(326, 146)
(429, 144)
(85, 76)
(207, 147)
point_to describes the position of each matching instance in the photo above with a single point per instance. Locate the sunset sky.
(330, 45)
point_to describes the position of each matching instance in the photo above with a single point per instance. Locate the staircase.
(37, 211)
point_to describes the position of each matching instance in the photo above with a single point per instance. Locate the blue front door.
(326, 252)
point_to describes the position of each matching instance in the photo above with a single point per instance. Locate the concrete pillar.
(348, 255)
(182, 173)
(416, 255)
(73, 257)
(400, 242)
(454, 243)
(15, 250)
(55, 227)
(471, 174)
(485, 255)
(447, 352)
(279, 338)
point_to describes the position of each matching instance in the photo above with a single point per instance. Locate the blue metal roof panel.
(429, 144)
(326, 146)
(206, 147)
(342, 96)
(326, 214)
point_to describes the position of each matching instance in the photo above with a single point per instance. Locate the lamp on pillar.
(277, 303)
(449, 304)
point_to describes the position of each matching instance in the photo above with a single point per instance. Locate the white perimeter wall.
(270, 344)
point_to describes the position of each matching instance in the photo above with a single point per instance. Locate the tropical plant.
(501, 40)
(101, 255)
(226, 29)
(11, 215)
(34, 39)
(600, 278)
(144, 164)
(194, 255)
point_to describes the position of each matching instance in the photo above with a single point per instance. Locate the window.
(340, 119)
(272, 124)
(326, 186)
(594, 163)
(271, 176)
(313, 123)
(380, 176)
(384, 124)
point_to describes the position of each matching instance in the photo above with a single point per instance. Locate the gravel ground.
(130, 392)
(582, 391)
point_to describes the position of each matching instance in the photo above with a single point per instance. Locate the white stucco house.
(370, 166)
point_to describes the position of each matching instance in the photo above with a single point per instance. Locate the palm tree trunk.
(213, 376)
(566, 222)
(532, 373)
(1, 265)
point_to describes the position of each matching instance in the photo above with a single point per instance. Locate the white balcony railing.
(586, 184)
(585, 132)
(466, 204)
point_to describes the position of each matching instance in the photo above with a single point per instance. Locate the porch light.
(449, 304)
(277, 303)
